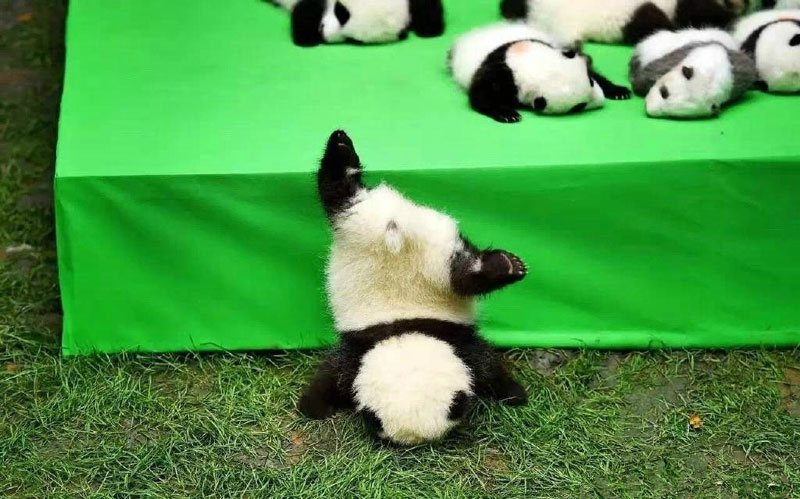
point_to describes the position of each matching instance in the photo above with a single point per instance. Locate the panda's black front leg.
(323, 396)
(339, 175)
(483, 272)
(610, 89)
(494, 93)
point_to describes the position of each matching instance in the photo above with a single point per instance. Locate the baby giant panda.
(690, 73)
(508, 65)
(402, 285)
(362, 21)
(627, 21)
(772, 38)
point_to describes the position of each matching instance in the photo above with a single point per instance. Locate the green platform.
(187, 217)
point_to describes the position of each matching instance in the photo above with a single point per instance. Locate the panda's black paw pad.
(503, 266)
(618, 93)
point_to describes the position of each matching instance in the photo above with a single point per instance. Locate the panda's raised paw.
(340, 138)
(503, 266)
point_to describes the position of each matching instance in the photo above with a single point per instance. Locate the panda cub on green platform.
(362, 21)
(691, 73)
(402, 284)
(505, 66)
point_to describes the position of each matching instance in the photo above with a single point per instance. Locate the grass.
(599, 424)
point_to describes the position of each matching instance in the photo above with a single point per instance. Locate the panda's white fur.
(777, 59)
(539, 69)
(409, 382)
(702, 95)
(712, 75)
(412, 254)
(595, 20)
(471, 49)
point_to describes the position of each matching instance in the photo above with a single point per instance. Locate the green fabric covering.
(187, 217)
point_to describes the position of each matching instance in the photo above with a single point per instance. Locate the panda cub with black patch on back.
(772, 39)
(362, 21)
(626, 21)
(690, 73)
(510, 65)
(402, 284)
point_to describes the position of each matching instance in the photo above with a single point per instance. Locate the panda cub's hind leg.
(323, 396)
(498, 384)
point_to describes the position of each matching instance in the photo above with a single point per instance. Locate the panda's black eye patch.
(539, 103)
(688, 72)
(569, 54)
(341, 13)
(795, 41)
(664, 92)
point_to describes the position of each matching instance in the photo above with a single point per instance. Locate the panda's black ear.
(427, 17)
(795, 41)
(688, 72)
(307, 22)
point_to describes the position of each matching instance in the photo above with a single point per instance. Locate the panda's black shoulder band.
(449, 332)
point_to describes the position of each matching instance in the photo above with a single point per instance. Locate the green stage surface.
(187, 216)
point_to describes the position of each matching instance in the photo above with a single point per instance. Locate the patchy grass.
(604, 424)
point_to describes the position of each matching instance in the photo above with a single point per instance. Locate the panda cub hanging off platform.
(510, 65)
(691, 73)
(626, 21)
(362, 21)
(402, 284)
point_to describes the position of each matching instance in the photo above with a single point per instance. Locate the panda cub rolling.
(772, 39)
(626, 21)
(362, 21)
(690, 73)
(510, 65)
(402, 283)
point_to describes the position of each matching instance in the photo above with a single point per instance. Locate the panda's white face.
(552, 81)
(390, 260)
(367, 21)
(778, 57)
(696, 88)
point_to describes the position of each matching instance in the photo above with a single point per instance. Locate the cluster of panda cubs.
(402, 284)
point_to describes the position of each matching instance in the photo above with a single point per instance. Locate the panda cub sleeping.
(510, 65)
(402, 284)
(627, 21)
(362, 21)
(690, 73)
(772, 39)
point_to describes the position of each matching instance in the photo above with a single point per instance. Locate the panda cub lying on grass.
(402, 285)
